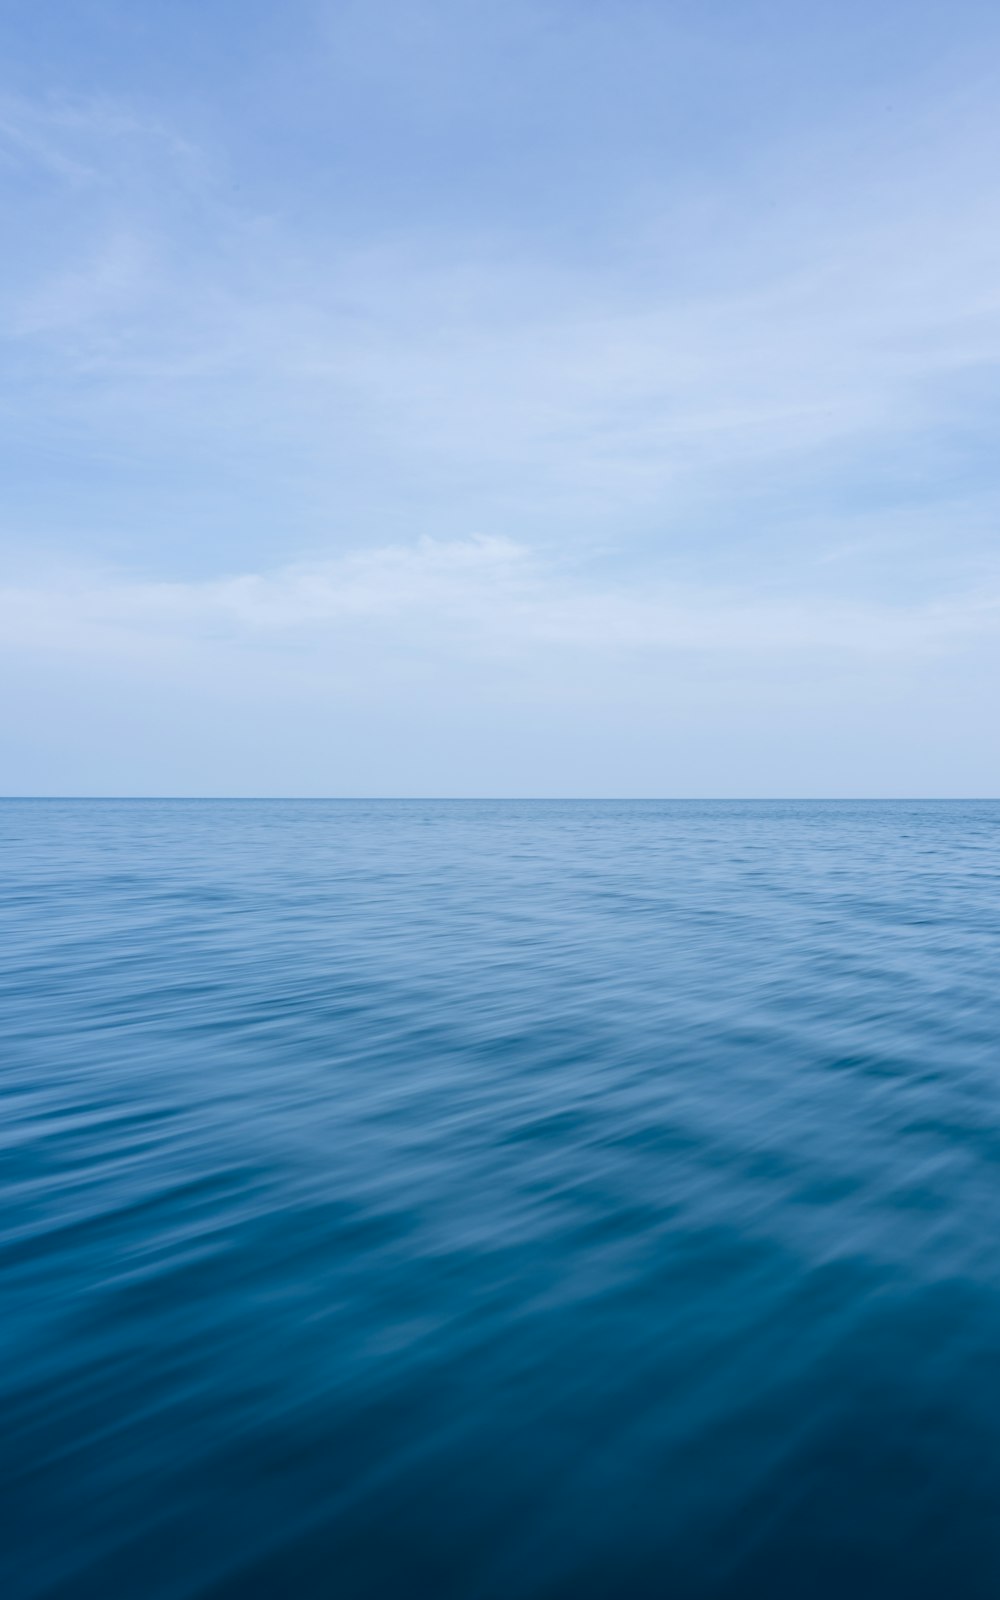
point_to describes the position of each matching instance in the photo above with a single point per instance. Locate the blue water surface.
(500, 1199)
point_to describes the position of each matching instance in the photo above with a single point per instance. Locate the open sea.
(546, 1200)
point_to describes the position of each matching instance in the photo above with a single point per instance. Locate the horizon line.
(525, 799)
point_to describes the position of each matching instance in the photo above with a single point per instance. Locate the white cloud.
(472, 600)
(737, 345)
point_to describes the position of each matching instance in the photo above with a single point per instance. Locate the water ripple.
(485, 1199)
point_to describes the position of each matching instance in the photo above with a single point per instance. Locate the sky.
(438, 397)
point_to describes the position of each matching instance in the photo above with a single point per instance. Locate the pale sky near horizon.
(441, 397)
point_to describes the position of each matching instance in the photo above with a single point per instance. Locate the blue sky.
(454, 398)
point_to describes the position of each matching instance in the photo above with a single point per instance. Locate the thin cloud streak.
(472, 598)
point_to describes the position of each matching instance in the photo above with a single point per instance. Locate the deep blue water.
(500, 1199)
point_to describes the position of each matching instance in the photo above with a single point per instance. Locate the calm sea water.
(500, 1199)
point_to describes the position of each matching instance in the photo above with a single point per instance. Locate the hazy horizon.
(519, 799)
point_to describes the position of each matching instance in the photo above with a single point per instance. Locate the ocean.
(551, 1200)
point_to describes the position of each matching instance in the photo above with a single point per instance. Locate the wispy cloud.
(89, 141)
(775, 340)
(474, 599)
